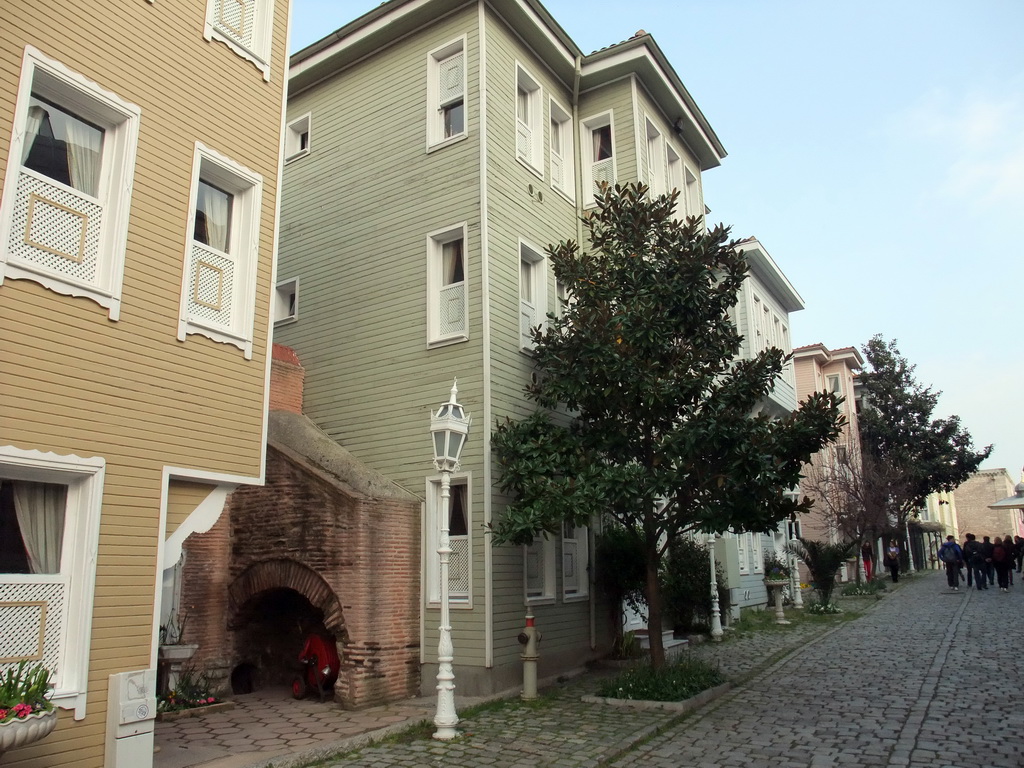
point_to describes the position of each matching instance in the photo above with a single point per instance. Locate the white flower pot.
(19, 732)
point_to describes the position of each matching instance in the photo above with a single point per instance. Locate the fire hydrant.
(529, 638)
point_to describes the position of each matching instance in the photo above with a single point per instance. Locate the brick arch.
(288, 574)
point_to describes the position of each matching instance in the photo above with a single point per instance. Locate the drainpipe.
(578, 154)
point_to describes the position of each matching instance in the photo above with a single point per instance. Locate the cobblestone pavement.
(907, 684)
(929, 678)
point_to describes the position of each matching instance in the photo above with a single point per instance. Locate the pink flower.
(22, 710)
(210, 700)
(3, 714)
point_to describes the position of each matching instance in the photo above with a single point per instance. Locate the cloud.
(975, 142)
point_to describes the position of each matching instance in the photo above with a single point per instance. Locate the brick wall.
(287, 378)
(972, 500)
(366, 550)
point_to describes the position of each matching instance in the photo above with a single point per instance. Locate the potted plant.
(776, 570)
(26, 714)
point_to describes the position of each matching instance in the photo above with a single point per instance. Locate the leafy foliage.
(620, 567)
(823, 559)
(907, 452)
(680, 680)
(192, 690)
(645, 360)
(685, 579)
(23, 691)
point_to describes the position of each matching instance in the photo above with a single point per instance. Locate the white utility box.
(131, 710)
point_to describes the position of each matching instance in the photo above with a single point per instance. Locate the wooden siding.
(182, 500)
(617, 97)
(128, 390)
(354, 231)
(541, 220)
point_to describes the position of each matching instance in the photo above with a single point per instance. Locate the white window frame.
(544, 549)
(692, 193)
(587, 127)
(120, 120)
(84, 480)
(435, 107)
(257, 49)
(294, 132)
(286, 302)
(743, 552)
(435, 283)
(834, 384)
(756, 553)
(674, 179)
(580, 541)
(432, 535)
(532, 268)
(655, 172)
(563, 163)
(246, 188)
(529, 128)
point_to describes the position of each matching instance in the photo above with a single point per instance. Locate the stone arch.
(274, 574)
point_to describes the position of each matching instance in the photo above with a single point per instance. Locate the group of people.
(988, 561)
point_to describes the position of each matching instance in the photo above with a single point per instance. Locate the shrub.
(823, 559)
(685, 585)
(23, 691)
(192, 690)
(865, 588)
(676, 681)
(822, 609)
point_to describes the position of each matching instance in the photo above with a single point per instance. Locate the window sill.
(297, 156)
(59, 284)
(436, 343)
(433, 146)
(575, 598)
(535, 170)
(455, 604)
(539, 601)
(570, 198)
(221, 336)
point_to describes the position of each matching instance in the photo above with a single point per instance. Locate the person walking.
(952, 557)
(868, 556)
(1018, 543)
(1001, 564)
(975, 560)
(967, 559)
(1011, 557)
(892, 560)
(986, 552)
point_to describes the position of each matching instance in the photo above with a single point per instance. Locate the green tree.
(907, 453)
(645, 411)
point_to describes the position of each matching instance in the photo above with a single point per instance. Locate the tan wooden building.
(139, 151)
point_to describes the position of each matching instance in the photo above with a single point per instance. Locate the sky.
(875, 149)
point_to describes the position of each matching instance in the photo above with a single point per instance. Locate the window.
(447, 300)
(539, 570)
(834, 385)
(674, 168)
(575, 560)
(563, 173)
(694, 206)
(286, 301)
(64, 214)
(245, 26)
(219, 288)
(756, 553)
(459, 561)
(598, 155)
(49, 532)
(446, 93)
(296, 138)
(529, 135)
(532, 293)
(652, 146)
(743, 550)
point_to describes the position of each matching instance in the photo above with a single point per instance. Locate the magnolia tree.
(645, 413)
(907, 453)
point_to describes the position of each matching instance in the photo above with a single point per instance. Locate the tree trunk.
(653, 594)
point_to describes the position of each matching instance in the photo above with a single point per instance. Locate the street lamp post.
(448, 427)
(716, 614)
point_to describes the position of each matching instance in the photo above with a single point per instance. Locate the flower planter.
(776, 586)
(26, 730)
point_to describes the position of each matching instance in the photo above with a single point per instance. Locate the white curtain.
(216, 206)
(36, 114)
(452, 269)
(40, 511)
(84, 151)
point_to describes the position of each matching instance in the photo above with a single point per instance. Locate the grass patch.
(864, 589)
(676, 681)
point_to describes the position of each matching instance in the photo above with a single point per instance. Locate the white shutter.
(452, 309)
(643, 166)
(571, 565)
(450, 79)
(557, 170)
(524, 141)
(527, 320)
(534, 566)
(603, 171)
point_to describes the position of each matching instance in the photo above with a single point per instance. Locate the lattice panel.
(452, 309)
(31, 623)
(524, 141)
(210, 286)
(570, 560)
(557, 174)
(458, 567)
(236, 19)
(56, 229)
(449, 77)
(604, 170)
